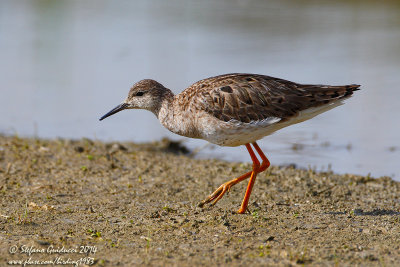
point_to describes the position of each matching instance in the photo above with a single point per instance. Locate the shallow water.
(66, 63)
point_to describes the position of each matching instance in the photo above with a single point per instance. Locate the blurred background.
(65, 63)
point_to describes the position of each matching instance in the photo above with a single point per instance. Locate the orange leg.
(265, 162)
(225, 187)
(257, 168)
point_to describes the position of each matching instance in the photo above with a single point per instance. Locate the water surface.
(66, 63)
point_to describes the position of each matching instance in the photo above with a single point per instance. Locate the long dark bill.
(115, 110)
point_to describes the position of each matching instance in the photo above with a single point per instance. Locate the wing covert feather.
(251, 97)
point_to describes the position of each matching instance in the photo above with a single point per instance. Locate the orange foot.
(225, 187)
(219, 193)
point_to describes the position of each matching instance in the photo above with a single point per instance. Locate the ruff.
(234, 109)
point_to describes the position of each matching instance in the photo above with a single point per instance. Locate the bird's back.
(235, 109)
(248, 98)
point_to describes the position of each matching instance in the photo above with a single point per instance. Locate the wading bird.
(232, 110)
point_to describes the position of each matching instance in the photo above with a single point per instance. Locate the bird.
(232, 110)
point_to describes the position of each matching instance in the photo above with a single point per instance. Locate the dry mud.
(126, 204)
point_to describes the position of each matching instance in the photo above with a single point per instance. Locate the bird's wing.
(250, 97)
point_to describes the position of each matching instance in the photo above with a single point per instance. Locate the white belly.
(235, 133)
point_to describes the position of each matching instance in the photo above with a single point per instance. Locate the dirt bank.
(126, 204)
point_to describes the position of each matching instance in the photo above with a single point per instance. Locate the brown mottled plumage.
(250, 97)
(235, 109)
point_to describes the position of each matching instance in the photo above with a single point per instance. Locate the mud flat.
(136, 204)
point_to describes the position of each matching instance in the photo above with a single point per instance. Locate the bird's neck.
(175, 118)
(166, 102)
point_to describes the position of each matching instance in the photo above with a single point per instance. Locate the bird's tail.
(325, 94)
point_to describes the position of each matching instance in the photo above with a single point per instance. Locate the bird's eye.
(139, 93)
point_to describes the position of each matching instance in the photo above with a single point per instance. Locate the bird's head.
(145, 94)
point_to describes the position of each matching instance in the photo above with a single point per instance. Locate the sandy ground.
(126, 204)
